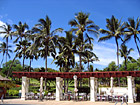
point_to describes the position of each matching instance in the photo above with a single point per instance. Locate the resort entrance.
(111, 94)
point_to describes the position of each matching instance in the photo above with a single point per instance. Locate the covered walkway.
(93, 81)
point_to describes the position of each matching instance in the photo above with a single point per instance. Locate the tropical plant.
(3, 50)
(89, 57)
(21, 49)
(82, 25)
(133, 30)
(124, 52)
(115, 30)
(7, 68)
(66, 51)
(7, 31)
(44, 39)
(20, 31)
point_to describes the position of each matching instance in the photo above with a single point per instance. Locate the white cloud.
(9, 21)
(50, 57)
(1, 24)
(76, 58)
(106, 53)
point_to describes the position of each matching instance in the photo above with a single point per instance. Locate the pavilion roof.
(79, 74)
(4, 78)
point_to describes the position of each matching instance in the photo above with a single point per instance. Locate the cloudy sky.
(61, 12)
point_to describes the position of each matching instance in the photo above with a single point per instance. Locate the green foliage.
(111, 67)
(42, 69)
(16, 66)
(7, 85)
(13, 92)
(91, 68)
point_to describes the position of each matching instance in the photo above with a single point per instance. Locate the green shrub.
(13, 92)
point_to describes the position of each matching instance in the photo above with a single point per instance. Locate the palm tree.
(115, 30)
(66, 51)
(82, 25)
(20, 31)
(21, 49)
(3, 50)
(66, 57)
(7, 30)
(89, 57)
(133, 30)
(44, 38)
(124, 52)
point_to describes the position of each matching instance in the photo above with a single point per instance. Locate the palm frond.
(42, 22)
(137, 23)
(93, 27)
(57, 30)
(105, 38)
(94, 32)
(138, 38)
(73, 23)
(131, 22)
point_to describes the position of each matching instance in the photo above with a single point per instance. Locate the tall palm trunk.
(80, 70)
(2, 61)
(88, 71)
(12, 64)
(30, 65)
(7, 50)
(125, 59)
(46, 59)
(137, 45)
(23, 61)
(45, 87)
(88, 66)
(118, 58)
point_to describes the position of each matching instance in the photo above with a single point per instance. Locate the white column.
(41, 88)
(61, 88)
(133, 86)
(23, 90)
(96, 87)
(27, 85)
(92, 89)
(111, 82)
(111, 85)
(130, 89)
(58, 88)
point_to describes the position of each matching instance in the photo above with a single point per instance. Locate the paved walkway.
(46, 102)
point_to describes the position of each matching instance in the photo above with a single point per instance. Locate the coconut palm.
(89, 57)
(66, 54)
(3, 50)
(133, 30)
(21, 49)
(20, 31)
(44, 38)
(82, 25)
(114, 30)
(124, 52)
(7, 30)
(66, 51)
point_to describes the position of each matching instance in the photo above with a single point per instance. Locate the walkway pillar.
(61, 88)
(58, 88)
(111, 85)
(27, 85)
(111, 82)
(41, 89)
(23, 90)
(130, 89)
(92, 89)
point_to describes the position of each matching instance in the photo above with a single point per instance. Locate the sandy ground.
(46, 102)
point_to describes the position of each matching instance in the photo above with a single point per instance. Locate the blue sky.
(62, 11)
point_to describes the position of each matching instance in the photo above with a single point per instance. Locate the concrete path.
(46, 102)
